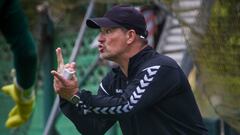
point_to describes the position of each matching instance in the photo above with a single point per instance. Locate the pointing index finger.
(60, 59)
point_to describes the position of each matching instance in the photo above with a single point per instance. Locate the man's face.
(112, 43)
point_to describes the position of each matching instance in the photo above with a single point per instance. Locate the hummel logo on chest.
(119, 91)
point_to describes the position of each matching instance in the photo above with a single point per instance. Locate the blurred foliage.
(222, 42)
(214, 42)
(70, 12)
(216, 54)
(64, 13)
(168, 2)
(29, 7)
(218, 60)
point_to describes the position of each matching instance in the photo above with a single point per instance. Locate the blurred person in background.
(14, 27)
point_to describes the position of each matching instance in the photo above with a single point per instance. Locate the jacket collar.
(136, 60)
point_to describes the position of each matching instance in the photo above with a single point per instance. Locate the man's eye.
(107, 31)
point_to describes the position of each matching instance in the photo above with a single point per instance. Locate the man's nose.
(101, 38)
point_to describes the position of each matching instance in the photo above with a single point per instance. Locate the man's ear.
(131, 36)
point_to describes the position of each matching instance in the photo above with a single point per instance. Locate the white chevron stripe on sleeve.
(96, 110)
(125, 108)
(119, 109)
(152, 67)
(139, 90)
(143, 84)
(104, 110)
(149, 70)
(132, 100)
(148, 79)
(111, 110)
(151, 73)
(136, 95)
(130, 107)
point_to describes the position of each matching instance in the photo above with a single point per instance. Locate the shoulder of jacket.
(160, 60)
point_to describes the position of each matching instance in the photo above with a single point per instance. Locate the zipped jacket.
(155, 99)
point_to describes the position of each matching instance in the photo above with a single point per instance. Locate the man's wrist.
(75, 99)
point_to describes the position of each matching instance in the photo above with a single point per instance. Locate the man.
(14, 28)
(148, 94)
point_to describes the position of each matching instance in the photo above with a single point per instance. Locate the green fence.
(86, 57)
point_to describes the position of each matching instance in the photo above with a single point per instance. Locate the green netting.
(5, 62)
(6, 65)
(86, 57)
(214, 42)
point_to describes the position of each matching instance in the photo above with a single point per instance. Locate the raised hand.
(66, 88)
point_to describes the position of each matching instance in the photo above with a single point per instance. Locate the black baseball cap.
(121, 16)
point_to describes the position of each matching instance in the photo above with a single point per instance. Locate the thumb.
(58, 76)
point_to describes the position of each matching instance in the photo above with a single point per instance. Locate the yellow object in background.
(22, 111)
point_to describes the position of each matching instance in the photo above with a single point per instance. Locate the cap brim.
(101, 22)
